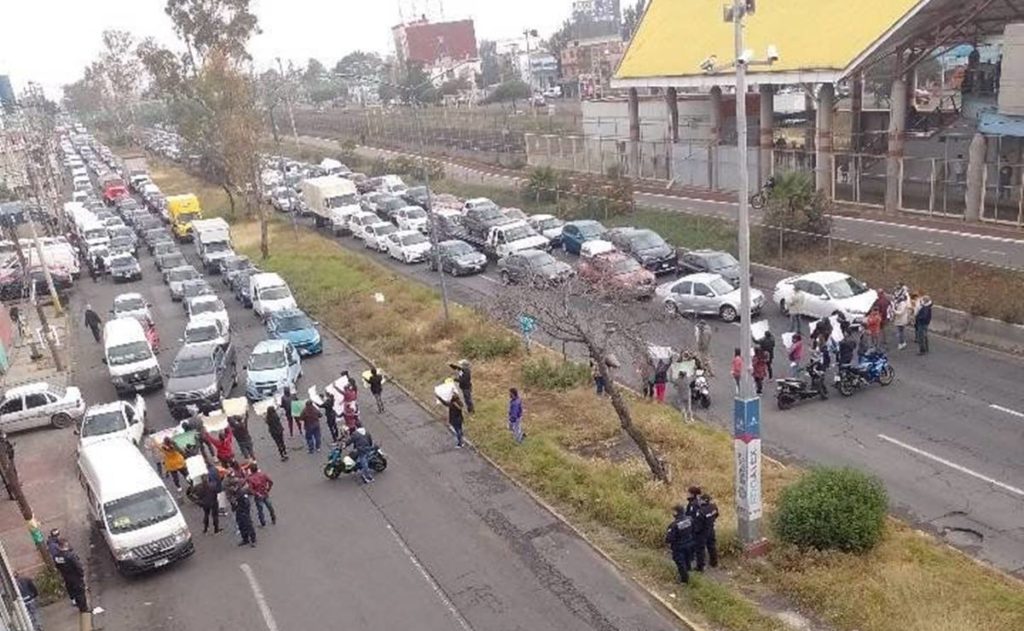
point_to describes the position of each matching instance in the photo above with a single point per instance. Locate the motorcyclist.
(362, 446)
(847, 347)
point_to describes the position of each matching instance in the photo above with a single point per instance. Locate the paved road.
(945, 437)
(440, 541)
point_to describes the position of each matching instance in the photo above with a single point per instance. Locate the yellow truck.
(182, 211)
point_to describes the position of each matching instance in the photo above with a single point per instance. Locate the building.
(588, 64)
(6, 92)
(445, 50)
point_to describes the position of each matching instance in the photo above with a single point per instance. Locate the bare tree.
(604, 323)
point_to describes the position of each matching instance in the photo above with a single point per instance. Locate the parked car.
(240, 286)
(712, 261)
(417, 196)
(206, 331)
(706, 294)
(549, 226)
(823, 293)
(408, 246)
(124, 268)
(192, 288)
(273, 366)
(40, 403)
(575, 233)
(534, 267)
(411, 218)
(202, 375)
(388, 205)
(457, 258)
(207, 307)
(376, 235)
(360, 221)
(118, 420)
(176, 277)
(171, 260)
(647, 247)
(231, 265)
(131, 305)
(298, 329)
(617, 272)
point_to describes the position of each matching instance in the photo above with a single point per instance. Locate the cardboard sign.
(758, 329)
(445, 390)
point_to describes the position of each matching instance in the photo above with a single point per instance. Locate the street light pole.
(434, 252)
(288, 102)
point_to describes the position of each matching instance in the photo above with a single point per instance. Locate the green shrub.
(50, 586)
(547, 375)
(839, 509)
(542, 186)
(483, 346)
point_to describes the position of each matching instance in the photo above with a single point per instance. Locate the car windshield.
(129, 353)
(267, 361)
(460, 249)
(549, 223)
(121, 241)
(218, 246)
(182, 274)
(415, 213)
(414, 239)
(192, 367)
(129, 304)
(542, 260)
(295, 322)
(207, 306)
(721, 287)
(385, 229)
(625, 266)
(519, 232)
(342, 200)
(646, 241)
(139, 510)
(202, 333)
(845, 288)
(96, 233)
(186, 217)
(102, 423)
(275, 293)
(197, 288)
(173, 259)
(720, 261)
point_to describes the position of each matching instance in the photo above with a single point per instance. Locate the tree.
(314, 71)
(416, 86)
(111, 84)
(490, 65)
(510, 91)
(205, 26)
(580, 314)
(631, 18)
(795, 207)
(454, 86)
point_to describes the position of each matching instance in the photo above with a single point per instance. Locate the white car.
(131, 305)
(408, 246)
(208, 307)
(548, 226)
(359, 222)
(477, 202)
(206, 331)
(377, 235)
(822, 293)
(411, 218)
(40, 403)
(120, 419)
(705, 294)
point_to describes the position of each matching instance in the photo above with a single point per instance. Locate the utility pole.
(34, 177)
(433, 222)
(288, 102)
(51, 342)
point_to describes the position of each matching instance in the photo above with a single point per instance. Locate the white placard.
(758, 329)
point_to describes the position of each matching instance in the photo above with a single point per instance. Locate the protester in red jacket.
(223, 446)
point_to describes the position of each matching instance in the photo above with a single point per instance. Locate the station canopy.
(818, 41)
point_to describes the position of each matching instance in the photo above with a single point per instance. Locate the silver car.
(706, 294)
(176, 279)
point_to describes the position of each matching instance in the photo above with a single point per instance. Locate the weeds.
(542, 373)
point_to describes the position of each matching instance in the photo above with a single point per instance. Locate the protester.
(760, 369)
(223, 445)
(260, 484)
(330, 415)
(464, 378)
(767, 344)
(646, 371)
(29, 596)
(901, 318)
(239, 494)
(795, 306)
(873, 327)
(923, 320)
(736, 370)
(679, 537)
(206, 492)
(73, 573)
(240, 429)
(376, 382)
(351, 413)
(286, 405)
(885, 311)
(660, 380)
(310, 419)
(595, 374)
(796, 355)
(276, 431)
(174, 462)
(93, 321)
(515, 415)
(455, 418)
(702, 336)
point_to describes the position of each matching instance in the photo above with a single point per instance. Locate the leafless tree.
(604, 322)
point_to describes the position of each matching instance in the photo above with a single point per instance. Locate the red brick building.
(430, 43)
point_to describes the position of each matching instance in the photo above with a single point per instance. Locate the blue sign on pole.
(746, 418)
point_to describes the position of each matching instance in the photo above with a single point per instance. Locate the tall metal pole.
(44, 322)
(747, 406)
(433, 221)
(288, 102)
(38, 246)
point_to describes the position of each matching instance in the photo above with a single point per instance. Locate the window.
(815, 289)
(35, 400)
(700, 289)
(12, 406)
(683, 288)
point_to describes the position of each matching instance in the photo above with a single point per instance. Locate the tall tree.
(560, 40)
(490, 65)
(631, 18)
(314, 71)
(205, 26)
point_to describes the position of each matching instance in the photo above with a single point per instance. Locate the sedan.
(206, 331)
(618, 273)
(131, 305)
(192, 288)
(273, 366)
(408, 246)
(713, 261)
(176, 278)
(647, 247)
(124, 267)
(231, 266)
(377, 235)
(207, 307)
(706, 294)
(360, 221)
(417, 196)
(820, 294)
(170, 260)
(411, 218)
(575, 233)
(201, 376)
(534, 267)
(118, 420)
(548, 226)
(40, 403)
(297, 328)
(457, 258)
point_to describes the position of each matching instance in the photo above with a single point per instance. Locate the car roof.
(108, 460)
(824, 277)
(541, 217)
(381, 224)
(707, 252)
(103, 408)
(406, 233)
(530, 253)
(286, 313)
(131, 295)
(584, 222)
(195, 350)
(269, 346)
(28, 388)
(701, 277)
(204, 298)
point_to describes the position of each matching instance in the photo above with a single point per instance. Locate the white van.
(392, 184)
(129, 357)
(269, 294)
(140, 521)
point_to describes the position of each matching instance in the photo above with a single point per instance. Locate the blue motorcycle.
(338, 462)
(873, 368)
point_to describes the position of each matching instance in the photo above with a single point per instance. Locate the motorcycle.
(874, 368)
(700, 392)
(339, 462)
(789, 390)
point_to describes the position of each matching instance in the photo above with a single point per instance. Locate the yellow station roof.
(816, 39)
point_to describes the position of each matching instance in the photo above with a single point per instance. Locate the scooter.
(700, 392)
(789, 390)
(339, 462)
(874, 368)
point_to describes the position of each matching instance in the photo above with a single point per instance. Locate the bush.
(839, 509)
(542, 186)
(483, 346)
(546, 375)
(795, 206)
(50, 586)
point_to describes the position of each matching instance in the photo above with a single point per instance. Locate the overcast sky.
(50, 41)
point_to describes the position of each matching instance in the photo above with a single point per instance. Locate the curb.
(657, 599)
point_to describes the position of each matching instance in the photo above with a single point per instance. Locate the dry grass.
(908, 583)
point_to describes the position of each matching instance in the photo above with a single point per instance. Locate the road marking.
(1007, 410)
(996, 252)
(884, 236)
(935, 243)
(966, 235)
(261, 601)
(953, 465)
(463, 623)
(489, 279)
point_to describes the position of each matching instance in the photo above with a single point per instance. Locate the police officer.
(679, 538)
(699, 526)
(73, 573)
(708, 511)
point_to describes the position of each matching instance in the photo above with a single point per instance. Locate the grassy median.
(576, 459)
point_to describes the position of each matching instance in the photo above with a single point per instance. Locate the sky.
(51, 41)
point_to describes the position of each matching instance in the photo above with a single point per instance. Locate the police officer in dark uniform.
(73, 573)
(708, 515)
(679, 538)
(699, 526)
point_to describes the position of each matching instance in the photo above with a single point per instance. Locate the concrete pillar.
(672, 102)
(766, 122)
(634, 132)
(715, 136)
(975, 195)
(823, 162)
(897, 127)
(856, 109)
(809, 130)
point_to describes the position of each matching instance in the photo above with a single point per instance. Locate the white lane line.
(995, 252)
(261, 601)
(884, 236)
(953, 465)
(489, 279)
(935, 243)
(463, 623)
(1007, 410)
(954, 233)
